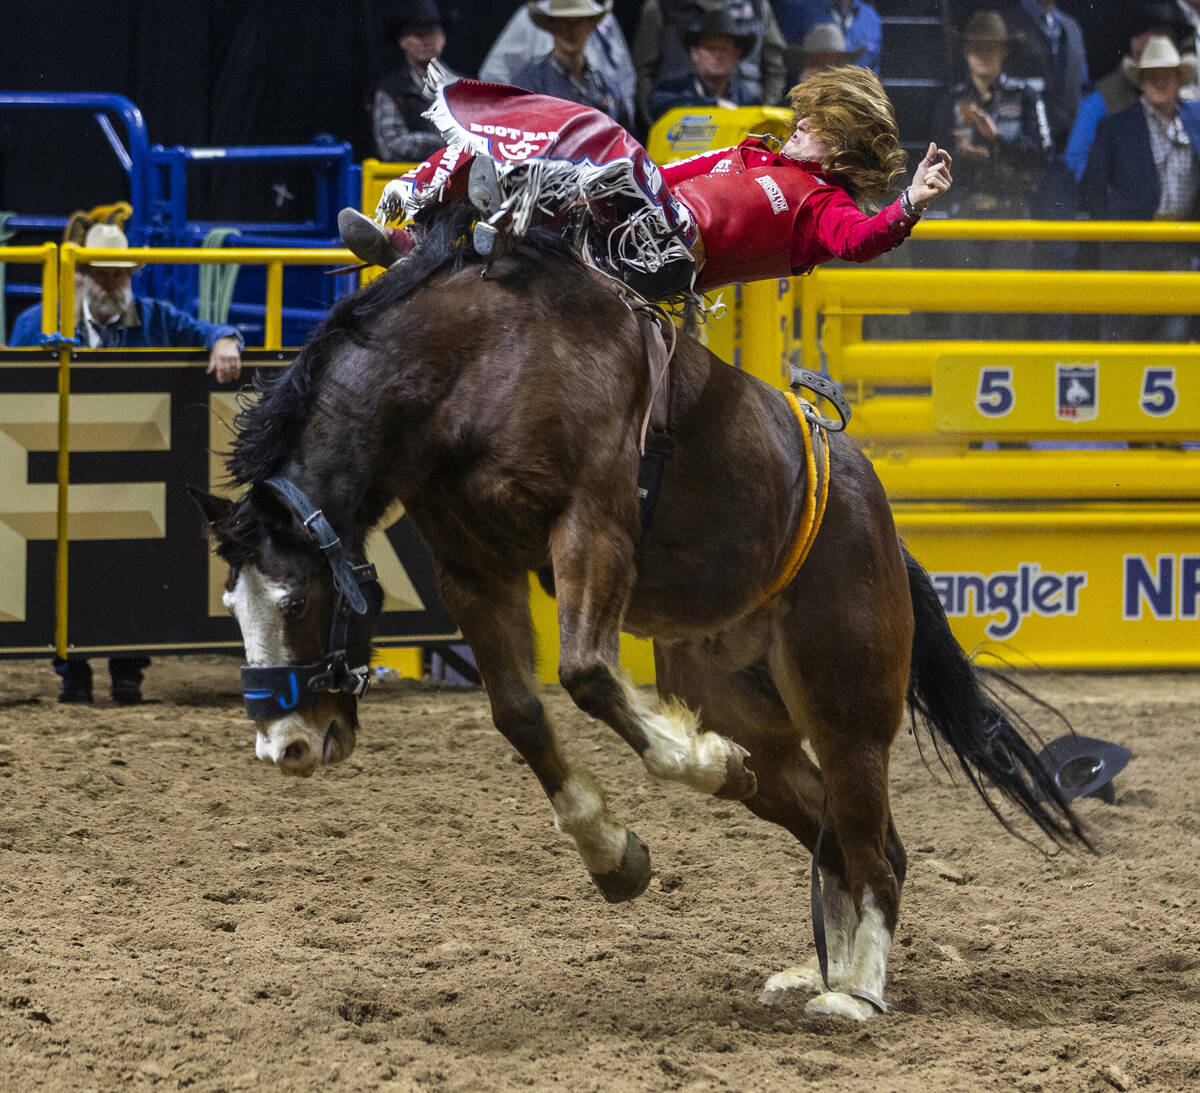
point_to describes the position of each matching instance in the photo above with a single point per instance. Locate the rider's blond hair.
(849, 111)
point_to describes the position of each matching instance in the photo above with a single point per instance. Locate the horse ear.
(215, 509)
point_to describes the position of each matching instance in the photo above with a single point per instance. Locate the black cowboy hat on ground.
(1083, 766)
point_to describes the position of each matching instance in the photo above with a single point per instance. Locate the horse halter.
(272, 692)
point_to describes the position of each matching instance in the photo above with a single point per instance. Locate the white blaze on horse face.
(579, 811)
(254, 601)
(677, 750)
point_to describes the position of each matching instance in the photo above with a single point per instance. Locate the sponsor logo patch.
(1078, 387)
(774, 193)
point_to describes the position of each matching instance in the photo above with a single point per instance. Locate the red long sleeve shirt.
(826, 223)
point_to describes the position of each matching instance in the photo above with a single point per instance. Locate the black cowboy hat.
(1082, 766)
(1156, 16)
(405, 16)
(987, 26)
(744, 32)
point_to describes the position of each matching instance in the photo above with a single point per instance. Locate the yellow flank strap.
(814, 506)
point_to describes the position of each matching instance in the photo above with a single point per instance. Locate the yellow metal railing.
(45, 256)
(58, 315)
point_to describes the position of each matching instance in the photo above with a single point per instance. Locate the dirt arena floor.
(174, 914)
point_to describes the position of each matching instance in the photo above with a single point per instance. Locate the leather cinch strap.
(816, 493)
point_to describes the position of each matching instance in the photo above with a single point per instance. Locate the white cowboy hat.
(108, 237)
(827, 40)
(544, 12)
(1160, 54)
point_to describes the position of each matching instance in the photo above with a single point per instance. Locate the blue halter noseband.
(271, 692)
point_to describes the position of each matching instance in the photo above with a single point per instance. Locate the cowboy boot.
(370, 243)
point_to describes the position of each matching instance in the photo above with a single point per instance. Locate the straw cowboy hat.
(1161, 55)
(108, 237)
(826, 40)
(724, 23)
(544, 12)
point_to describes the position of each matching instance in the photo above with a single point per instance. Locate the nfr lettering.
(1170, 589)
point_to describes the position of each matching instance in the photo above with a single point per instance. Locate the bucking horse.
(505, 404)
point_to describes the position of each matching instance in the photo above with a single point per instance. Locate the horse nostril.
(295, 752)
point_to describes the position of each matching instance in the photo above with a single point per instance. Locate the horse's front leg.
(494, 618)
(593, 576)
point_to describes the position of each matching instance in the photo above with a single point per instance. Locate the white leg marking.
(867, 970)
(678, 751)
(579, 811)
(840, 923)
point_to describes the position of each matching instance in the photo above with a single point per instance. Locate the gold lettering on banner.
(399, 593)
(100, 510)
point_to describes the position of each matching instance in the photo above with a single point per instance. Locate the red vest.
(747, 217)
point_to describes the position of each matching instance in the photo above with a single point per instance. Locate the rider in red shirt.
(737, 214)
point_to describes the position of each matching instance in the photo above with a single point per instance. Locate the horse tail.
(949, 694)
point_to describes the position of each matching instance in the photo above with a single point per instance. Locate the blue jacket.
(1120, 181)
(159, 325)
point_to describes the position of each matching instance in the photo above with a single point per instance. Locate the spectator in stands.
(401, 133)
(717, 42)
(823, 47)
(1118, 91)
(1144, 165)
(564, 72)
(998, 129)
(108, 313)
(996, 124)
(1051, 50)
(659, 53)
(606, 51)
(858, 21)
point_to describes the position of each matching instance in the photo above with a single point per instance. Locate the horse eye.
(293, 607)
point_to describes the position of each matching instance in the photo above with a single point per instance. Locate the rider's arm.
(701, 164)
(837, 225)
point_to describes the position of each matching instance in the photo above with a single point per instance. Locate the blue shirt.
(549, 76)
(862, 29)
(1083, 132)
(161, 325)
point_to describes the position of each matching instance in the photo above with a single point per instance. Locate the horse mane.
(268, 427)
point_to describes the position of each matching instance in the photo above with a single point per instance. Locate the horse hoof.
(630, 878)
(740, 782)
(805, 979)
(837, 1004)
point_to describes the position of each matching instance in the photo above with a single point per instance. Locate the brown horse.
(502, 406)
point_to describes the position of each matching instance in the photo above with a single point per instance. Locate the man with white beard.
(109, 314)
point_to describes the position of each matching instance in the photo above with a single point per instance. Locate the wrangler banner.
(141, 577)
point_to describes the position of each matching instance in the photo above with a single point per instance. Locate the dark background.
(230, 72)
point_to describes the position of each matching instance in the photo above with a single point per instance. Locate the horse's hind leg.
(593, 577)
(745, 706)
(851, 715)
(494, 618)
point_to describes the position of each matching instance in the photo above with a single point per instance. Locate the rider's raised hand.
(932, 177)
